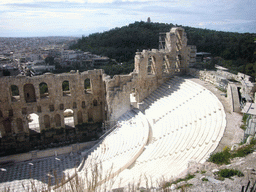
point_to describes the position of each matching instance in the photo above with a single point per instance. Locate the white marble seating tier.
(120, 148)
(187, 123)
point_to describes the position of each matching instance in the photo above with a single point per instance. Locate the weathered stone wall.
(54, 102)
(244, 85)
(87, 104)
(48, 152)
(209, 76)
(233, 97)
(215, 77)
(151, 69)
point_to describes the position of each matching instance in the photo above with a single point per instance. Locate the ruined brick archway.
(29, 93)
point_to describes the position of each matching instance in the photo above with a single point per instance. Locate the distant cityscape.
(37, 55)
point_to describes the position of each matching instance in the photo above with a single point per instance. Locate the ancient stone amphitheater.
(163, 120)
(182, 121)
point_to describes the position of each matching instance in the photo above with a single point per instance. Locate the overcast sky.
(25, 18)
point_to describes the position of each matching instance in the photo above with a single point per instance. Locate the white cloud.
(39, 1)
(112, 1)
(65, 1)
(15, 1)
(101, 1)
(224, 22)
(59, 16)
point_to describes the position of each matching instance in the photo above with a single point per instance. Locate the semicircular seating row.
(187, 124)
(120, 148)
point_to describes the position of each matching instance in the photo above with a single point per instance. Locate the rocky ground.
(247, 165)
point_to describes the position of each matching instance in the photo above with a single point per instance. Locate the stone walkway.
(40, 172)
(233, 133)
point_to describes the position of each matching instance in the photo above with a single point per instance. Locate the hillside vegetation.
(238, 50)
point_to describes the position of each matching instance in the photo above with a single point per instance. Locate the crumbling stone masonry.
(92, 95)
(21, 96)
(152, 68)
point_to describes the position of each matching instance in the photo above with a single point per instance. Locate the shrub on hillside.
(243, 151)
(222, 157)
(227, 173)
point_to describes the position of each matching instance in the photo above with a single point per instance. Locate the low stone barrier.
(47, 153)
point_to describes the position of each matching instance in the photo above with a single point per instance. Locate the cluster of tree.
(123, 68)
(122, 43)
(49, 60)
(6, 72)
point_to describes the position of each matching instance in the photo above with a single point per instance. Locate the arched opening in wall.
(179, 40)
(7, 126)
(15, 94)
(151, 65)
(39, 109)
(47, 122)
(19, 124)
(83, 104)
(29, 93)
(51, 108)
(61, 107)
(69, 118)
(74, 105)
(95, 103)
(133, 100)
(57, 120)
(79, 117)
(10, 112)
(90, 115)
(1, 116)
(178, 63)
(33, 123)
(166, 65)
(66, 88)
(179, 33)
(44, 92)
(87, 86)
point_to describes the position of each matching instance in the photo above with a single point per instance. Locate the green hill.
(238, 49)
